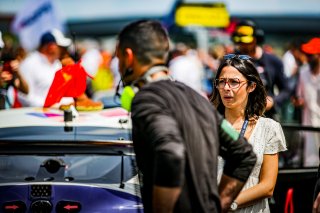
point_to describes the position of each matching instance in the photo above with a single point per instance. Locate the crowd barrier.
(295, 183)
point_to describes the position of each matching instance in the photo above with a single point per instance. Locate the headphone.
(130, 91)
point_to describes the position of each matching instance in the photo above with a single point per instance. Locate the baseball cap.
(55, 36)
(246, 31)
(312, 46)
(1, 41)
(243, 34)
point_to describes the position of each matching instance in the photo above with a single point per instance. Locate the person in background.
(247, 39)
(11, 80)
(240, 96)
(187, 67)
(84, 101)
(39, 69)
(211, 61)
(177, 134)
(293, 60)
(96, 62)
(308, 96)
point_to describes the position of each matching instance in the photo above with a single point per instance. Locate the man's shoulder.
(161, 85)
(154, 91)
(29, 57)
(170, 90)
(29, 63)
(159, 90)
(32, 59)
(272, 58)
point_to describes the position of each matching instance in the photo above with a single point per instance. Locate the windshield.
(76, 168)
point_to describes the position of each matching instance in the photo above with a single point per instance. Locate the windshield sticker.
(115, 112)
(44, 115)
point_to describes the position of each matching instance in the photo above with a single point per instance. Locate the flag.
(33, 20)
(70, 81)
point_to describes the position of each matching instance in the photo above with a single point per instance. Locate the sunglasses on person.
(233, 83)
(241, 57)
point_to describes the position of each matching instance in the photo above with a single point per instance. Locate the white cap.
(60, 39)
(1, 41)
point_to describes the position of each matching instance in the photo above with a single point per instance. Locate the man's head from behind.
(141, 45)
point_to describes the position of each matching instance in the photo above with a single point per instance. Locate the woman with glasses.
(240, 96)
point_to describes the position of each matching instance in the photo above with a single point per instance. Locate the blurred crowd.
(292, 78)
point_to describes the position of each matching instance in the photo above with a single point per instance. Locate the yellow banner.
(200, 15)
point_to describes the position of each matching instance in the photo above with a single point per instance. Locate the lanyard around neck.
(243, 128)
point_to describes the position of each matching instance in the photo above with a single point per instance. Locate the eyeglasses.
(233, 83)
(231, 56)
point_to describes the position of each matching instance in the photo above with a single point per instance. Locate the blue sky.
(99, 9)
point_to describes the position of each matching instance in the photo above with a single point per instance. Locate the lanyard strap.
(243, 128)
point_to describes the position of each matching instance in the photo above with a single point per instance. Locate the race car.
(65, 161)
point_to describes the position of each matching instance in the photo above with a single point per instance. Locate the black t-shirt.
(272, 75)
(177, 136)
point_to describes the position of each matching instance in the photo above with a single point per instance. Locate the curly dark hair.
(257, 99)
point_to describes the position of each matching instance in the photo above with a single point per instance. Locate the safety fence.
(297, 177)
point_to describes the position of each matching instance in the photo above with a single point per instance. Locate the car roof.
(31, 116)
(43, 130)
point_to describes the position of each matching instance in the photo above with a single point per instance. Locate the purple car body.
(87, 167)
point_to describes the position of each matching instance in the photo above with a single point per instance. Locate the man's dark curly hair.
(257, 99)
(147, 39)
